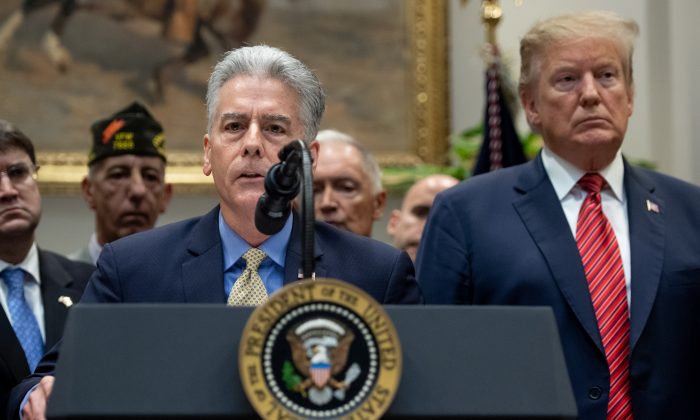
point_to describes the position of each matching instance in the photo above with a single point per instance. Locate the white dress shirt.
(94, 248)
(32, 288)
(564, 177)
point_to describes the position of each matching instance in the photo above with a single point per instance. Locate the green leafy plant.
(463, 151)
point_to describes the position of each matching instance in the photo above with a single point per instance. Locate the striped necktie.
(602, 264)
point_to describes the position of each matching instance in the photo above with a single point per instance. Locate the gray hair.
(270, 62)
(369, 163)
(589, 24)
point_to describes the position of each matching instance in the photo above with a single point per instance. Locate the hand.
(35, 409)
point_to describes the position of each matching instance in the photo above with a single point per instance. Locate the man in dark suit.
(619, 267)
(259, 99)
(37, 287)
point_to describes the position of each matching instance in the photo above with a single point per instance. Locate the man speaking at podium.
(259, 99)
(613, 249)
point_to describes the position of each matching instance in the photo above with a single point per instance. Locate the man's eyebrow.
(233, 115)
(119, 167)
(277, 117)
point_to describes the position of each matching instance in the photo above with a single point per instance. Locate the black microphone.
(281, 186)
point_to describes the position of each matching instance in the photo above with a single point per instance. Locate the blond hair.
(589, 24)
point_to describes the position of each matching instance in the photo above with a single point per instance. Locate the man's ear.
(393, 224)
(630, 101)
(86, 190)
(167, 195)
(527, 100)
(379, 204)
(206, 167)
(314, 147)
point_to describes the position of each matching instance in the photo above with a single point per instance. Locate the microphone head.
(268, 220)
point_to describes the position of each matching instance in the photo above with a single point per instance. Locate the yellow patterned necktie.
(249, 290)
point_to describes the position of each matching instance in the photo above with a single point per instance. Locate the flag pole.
(501, 145)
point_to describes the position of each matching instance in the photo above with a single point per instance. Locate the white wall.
(684, 102)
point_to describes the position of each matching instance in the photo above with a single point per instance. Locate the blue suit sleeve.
(443, 257)
(104, 286)
(403, 288)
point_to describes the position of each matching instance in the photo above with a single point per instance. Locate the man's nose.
(137, 187)
(7, 188)
(327, 198)
(590, 94)
(253, 141)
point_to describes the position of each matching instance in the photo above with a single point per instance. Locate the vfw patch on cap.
(320, 349)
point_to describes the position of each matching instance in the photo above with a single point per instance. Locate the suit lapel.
(647, 232)
(292, 263)
(56, 283)
(541, 213)
(203, 273)
(10, 349)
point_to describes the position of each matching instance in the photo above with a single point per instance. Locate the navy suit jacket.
(503, 239)
(183, 262)
(59, 277)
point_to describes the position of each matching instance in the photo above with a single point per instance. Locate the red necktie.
(606, 282)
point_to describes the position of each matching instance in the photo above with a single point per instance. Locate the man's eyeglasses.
(20, 173)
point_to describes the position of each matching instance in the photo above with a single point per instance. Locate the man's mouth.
(593, 120)
(335, 223)
(134, 219)
(250, 175)
(11, 209)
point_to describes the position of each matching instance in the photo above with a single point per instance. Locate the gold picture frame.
(426, 97)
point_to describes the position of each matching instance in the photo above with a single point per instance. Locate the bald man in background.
(406, 224)
(348, 190)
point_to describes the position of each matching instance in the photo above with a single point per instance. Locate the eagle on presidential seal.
(320, 348)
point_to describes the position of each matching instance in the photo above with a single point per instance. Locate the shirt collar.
(30, 264)
(564, 176)
(94, 248)
(234, 246)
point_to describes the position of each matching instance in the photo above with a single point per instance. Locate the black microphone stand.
(282, 184)
(307, 213)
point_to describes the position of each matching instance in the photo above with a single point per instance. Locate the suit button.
(595, 393)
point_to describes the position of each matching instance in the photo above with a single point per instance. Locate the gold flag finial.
(491, 13)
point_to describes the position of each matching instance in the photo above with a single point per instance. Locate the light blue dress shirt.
(272, 268)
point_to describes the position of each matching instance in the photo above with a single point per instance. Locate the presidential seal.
(320, 349)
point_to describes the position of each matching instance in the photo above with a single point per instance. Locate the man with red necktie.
(613, 249)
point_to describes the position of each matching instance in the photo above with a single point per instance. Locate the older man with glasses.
(36, 286)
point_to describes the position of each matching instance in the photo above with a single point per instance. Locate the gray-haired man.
(259, 99)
